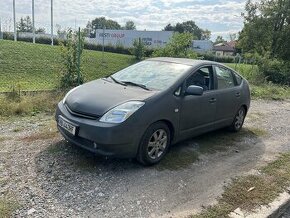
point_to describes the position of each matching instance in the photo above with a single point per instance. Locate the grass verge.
(29, 104)
(260, 88)
(249, 192)
(28, 66)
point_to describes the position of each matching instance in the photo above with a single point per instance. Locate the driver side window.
(203, 77)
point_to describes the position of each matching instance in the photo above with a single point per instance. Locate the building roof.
(225, 46)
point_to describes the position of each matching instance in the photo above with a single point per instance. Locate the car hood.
(97, 97)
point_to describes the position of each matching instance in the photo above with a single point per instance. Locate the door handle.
(238, 94)
(212, 100)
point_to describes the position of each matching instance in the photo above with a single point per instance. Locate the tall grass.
(29, 104)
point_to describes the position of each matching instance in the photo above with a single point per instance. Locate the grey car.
(141, 110)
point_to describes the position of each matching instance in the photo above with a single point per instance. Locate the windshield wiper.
(117, 81)
(135, 84)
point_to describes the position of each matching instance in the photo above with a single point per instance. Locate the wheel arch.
(170, 126)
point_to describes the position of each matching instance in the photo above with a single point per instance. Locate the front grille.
(83, 115)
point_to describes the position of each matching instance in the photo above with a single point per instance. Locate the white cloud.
(221, 17)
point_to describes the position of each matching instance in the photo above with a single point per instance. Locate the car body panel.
(89, 98)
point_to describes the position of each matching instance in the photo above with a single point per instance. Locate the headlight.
(67, 94)
(120, 113)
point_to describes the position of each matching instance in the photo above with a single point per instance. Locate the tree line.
(266, 37)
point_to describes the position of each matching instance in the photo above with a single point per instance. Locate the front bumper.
(116, 140)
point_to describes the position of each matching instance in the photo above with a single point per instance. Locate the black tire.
(238, 121)
(147, 144)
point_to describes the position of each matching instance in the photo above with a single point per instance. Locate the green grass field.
(27, 66)
(37, 67)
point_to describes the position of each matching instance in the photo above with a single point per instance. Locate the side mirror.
(194, 90)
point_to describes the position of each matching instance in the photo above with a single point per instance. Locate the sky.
(221, 17)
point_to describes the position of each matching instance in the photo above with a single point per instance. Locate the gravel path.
(49, 177)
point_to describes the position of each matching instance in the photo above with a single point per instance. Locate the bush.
(179, 46)
(71, 73)
(138, 49)
(276, 71)
(212, 57)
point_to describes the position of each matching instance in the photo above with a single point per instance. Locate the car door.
(198, 111)
(227, 95)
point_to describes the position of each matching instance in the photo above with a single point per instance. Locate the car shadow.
(71, 174)
(180, 155)
(185, 153)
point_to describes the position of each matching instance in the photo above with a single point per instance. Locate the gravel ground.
(48, 177)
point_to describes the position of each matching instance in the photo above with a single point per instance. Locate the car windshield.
(152, 74)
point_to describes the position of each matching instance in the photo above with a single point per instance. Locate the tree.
(69, 54)
(219, 39)
(40, 30)
(129, 25)
(266, 34)
(179, 46)
(138, 49)
(206, 34)
(189, 27)
(100, 23)
(233, 36)
(267, 28)
(25, 25)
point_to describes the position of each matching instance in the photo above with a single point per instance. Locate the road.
(47, 176)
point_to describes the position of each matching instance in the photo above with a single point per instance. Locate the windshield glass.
(153, 74)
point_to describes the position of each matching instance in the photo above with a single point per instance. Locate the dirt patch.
(50, 177)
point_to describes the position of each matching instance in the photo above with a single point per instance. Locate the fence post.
(79, 54)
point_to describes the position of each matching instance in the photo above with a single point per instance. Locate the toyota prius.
(141, 110)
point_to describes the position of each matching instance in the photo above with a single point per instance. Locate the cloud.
(219, 16)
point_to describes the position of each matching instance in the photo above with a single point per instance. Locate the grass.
(7, 206)
(28, 66)
(260, 88)
(29, 104)
(249, 192)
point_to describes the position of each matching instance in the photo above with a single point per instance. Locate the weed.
(249, 192)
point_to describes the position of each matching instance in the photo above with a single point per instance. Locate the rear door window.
(224, 77)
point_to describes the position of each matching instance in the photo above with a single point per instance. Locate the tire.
(154, 144)
(239, 119)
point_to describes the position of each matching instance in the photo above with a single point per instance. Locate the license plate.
(66, 125)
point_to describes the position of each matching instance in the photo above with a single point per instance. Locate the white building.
(152, 39)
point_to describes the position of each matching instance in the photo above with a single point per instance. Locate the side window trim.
(195, 70)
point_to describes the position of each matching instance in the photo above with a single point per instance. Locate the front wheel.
(238, 120)
(154, 144)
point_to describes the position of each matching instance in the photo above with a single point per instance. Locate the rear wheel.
(238, 120)
(154, 144)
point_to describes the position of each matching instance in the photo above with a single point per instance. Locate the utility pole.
(33, 27)
(1, 34)
(51, 22)
(103, 48)
(14, 18)
(79, 55)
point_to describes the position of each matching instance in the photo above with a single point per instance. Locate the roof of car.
(186, 61)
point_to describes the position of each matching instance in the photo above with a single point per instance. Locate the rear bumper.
(115, 140)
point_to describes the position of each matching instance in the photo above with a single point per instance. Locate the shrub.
(71, 73)
(138, 49)
(179, 46)
(212, 57)
(275, 70)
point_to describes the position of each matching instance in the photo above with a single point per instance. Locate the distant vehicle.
(143, 109)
